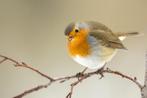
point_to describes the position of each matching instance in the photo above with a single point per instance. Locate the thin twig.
(134, 79)
(22, 64)
(79, 77)
(32, 90)
(144, 89)
(3, 60)
(35, 70)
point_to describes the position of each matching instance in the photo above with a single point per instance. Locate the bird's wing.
(107, 39)
(97, 26)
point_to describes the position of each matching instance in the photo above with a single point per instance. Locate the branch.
(79, 77)
(144, 90)
(22, 64)
(32, 90)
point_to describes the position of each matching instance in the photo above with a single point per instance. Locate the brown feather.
(107, 39)
(119, 34)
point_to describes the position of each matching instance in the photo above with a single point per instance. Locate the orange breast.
(79, 46)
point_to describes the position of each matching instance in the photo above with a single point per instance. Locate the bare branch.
(134, 79)
(69, 95)
(32, 90)
(22, 64)
(144, 89)
(79, 77)
(4, 59)
(35, 70)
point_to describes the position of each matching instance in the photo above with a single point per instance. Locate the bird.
(92, 44)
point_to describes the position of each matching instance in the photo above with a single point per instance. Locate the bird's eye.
(76, 30)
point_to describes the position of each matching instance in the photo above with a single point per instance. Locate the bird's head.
(75, 31)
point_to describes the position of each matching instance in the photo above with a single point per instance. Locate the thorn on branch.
(107, 69)
(62, 81)
(135, 78)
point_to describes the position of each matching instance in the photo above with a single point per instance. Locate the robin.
(92, 44)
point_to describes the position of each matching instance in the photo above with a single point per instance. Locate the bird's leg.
(81, 74)
(84, 70)
(100, 71)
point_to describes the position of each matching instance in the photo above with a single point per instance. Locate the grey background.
(33, 31)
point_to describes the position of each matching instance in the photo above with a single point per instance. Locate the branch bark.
(144, 89)
(78, 76)
(32, 90)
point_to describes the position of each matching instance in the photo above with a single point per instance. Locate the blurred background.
(32, 31)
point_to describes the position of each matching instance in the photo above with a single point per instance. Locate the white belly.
(98, 57)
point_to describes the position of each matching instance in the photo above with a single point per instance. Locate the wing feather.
(107, 39)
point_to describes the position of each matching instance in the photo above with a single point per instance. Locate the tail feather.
(120, 34)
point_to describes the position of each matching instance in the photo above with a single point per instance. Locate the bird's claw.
(100, 72)
(80, 74)
(101, 75)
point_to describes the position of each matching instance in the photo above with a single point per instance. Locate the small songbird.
(92, 44)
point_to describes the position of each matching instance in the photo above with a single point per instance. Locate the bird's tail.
(127, 34)
(122, 35)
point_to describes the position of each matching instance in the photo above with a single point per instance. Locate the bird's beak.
(71, 36)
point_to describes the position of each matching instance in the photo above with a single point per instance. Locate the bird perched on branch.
(92, 44)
